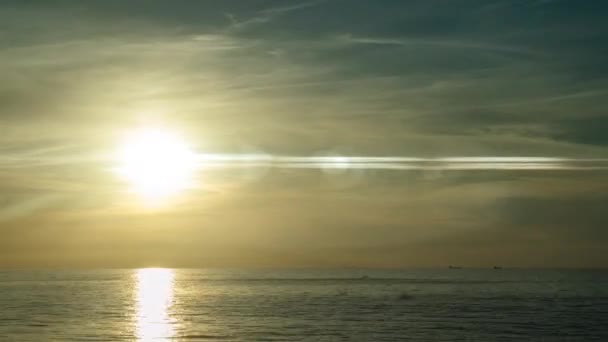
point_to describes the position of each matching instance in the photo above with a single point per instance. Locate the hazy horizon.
(382, 134)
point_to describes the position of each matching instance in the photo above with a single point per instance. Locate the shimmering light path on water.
(154, 292)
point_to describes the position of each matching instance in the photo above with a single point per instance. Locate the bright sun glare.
(156, 163)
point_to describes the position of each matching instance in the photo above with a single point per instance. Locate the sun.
(156, 163)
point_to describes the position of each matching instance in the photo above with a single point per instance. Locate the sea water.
(304, 305)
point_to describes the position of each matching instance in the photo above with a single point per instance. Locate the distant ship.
(454, 267)
(498, 267)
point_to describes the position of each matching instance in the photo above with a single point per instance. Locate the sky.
(303, 79)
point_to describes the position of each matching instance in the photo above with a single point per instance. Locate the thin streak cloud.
(404, 163)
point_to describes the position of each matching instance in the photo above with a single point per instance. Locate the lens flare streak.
(403, 163)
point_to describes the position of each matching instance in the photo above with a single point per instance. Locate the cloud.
(14, 209)
(268, 14)
(430, 87)
(571, 218)
(584, 130)
(452, 44)
(307, 79)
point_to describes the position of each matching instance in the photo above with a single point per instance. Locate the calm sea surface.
(338, 305)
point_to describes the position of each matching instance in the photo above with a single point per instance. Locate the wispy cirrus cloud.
(451, 44)
(268, 14)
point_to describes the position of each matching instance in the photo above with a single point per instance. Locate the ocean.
(304, 305)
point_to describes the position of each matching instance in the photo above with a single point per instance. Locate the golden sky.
(264, 108)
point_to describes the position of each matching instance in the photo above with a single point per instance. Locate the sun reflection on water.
(154, 297)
